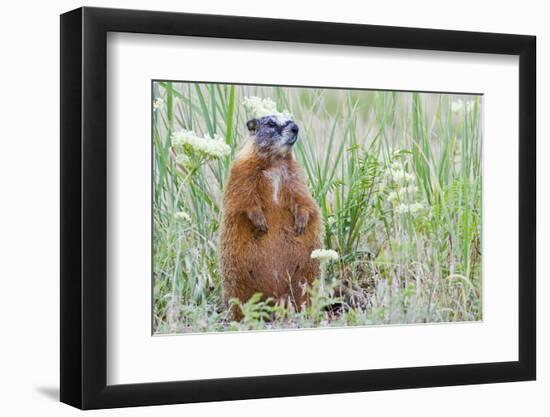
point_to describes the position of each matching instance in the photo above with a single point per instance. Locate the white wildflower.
(402, 208)
(415, 207)
(408, 208)
(331, 220)
(325, 255)
(259, 107)
(398, 175)
(406, 191)
(182, 159)
(157, 103)
(396, 165)
(409, 177)
(183, 216)
(411, 189)
(214, 147)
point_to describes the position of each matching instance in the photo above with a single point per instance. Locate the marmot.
(270, 223)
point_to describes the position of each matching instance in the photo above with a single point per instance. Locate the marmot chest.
(275, 182)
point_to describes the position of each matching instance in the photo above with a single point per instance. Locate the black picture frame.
(84, 207)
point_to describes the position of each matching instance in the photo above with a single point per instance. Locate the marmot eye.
(271, 124)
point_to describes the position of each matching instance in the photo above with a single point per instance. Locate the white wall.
(29, 177)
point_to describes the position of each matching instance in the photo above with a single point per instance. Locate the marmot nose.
(294, 128)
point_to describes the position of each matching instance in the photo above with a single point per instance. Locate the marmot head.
(273, 135)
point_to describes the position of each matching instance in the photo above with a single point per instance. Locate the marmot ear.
(252, 125)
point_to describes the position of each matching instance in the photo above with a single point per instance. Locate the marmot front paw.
(300, 226)
(261, 228)
(301, 218)
(259, 222)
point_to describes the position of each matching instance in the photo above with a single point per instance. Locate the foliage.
(397, 177)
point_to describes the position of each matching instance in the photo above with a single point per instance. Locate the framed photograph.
(256, 208)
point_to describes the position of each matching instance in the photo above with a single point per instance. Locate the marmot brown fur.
(271, 223)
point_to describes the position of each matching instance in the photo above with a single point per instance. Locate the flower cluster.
(183, 216)
(157, 103)
(186, 141)
(399, 175)
(325, 255)
(403, 194)
(259, 107)
(408, 208)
